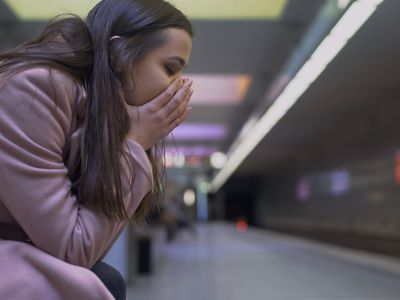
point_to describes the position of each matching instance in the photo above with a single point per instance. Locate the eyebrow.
(181, 61)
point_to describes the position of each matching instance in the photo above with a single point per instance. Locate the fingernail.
(189, 108)
(191, 92)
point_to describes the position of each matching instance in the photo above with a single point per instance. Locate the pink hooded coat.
(40, 131)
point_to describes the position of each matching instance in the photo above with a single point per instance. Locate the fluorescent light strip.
(356, 15)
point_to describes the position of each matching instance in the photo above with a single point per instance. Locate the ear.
(114, 62)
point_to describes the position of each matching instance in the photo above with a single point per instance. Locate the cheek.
(146, 89)
(152, 89)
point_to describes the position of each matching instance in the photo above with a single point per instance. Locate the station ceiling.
(237, 53)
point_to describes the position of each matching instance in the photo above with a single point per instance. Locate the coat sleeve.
(35, 119)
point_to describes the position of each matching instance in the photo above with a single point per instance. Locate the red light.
(397, 168)
(241, 226)
(193, 160)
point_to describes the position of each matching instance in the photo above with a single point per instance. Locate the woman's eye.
(169, 70)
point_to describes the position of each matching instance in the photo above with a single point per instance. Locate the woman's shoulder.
(48, 80)
(44, 75)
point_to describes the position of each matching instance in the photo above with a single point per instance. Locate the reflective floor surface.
(220, 263)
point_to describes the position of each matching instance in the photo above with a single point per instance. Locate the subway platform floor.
(220, 263)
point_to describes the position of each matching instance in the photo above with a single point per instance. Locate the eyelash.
(169, 71)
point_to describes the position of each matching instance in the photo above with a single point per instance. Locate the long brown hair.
(84, 50)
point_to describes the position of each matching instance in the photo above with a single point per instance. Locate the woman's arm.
(33, 178)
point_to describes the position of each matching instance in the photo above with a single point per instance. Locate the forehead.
(178, 43)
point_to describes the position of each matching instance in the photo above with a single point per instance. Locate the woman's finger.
(177, 100)
(166, 96)
(180, 109)
(176, 116)
(179, 120)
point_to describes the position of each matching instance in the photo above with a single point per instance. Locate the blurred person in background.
(175, 218)
(83, 109)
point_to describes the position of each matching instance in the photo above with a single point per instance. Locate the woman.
(82, 108)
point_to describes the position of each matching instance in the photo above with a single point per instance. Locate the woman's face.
(156, 71)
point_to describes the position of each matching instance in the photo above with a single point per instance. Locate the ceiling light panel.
(199, 132)
(44, 9)
(194, 9)
(210, 89)
(232, 9)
